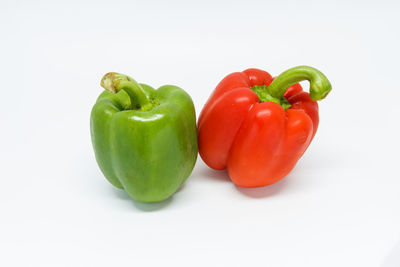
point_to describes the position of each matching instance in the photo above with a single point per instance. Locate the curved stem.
(114, 82)
(264, 96)
(319, 84)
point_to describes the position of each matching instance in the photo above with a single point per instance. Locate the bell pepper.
(145, 140)
(258, 127)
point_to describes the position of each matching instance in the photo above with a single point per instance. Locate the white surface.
(339, 207)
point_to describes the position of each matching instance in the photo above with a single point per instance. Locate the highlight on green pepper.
(145, 140)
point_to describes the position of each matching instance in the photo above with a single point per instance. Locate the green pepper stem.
(114, 82)
(319, 84)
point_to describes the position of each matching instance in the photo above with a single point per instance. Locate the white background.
(340, 206)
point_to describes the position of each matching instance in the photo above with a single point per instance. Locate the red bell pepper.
(258, 127)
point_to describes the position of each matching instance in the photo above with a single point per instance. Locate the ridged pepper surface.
(258, 127)
(145, 140)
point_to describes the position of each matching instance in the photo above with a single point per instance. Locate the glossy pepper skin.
(144, 140)
(258, 127)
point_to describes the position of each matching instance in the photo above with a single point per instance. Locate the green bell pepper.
(145, 140)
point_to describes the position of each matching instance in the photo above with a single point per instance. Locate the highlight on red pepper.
(258, 127)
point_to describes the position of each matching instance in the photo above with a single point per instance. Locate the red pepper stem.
(114, 82)
(319, 84)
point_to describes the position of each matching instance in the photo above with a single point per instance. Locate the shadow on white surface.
(266, 191)
(393, 259)
(121, 194)
(221, 176)
(260, 192)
